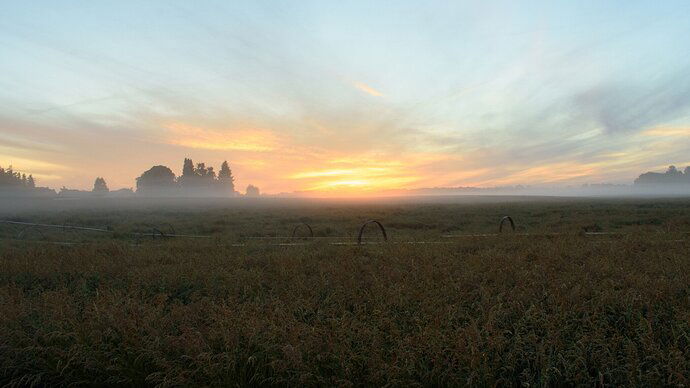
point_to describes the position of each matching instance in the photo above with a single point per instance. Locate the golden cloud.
(547, 173)
(24, 164)
(668, 132)
(40, 170)
(252, 140)
(368, 89)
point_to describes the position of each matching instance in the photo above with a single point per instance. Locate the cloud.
(629, 108)
(368, 89)
(40, 169)
(253, 140)
(668, 132)
(25, 164)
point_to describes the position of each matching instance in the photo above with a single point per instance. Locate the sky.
(346, 97)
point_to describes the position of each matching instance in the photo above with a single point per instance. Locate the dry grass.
(509, 310)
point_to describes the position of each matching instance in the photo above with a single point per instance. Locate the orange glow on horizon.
(279, 161)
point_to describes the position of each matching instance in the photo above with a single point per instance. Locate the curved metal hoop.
(22, 233)
(158, 231)
(294, 231)
(508, 218)
(361, 230)
(155, 232)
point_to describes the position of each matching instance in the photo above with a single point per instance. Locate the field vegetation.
(529, 308)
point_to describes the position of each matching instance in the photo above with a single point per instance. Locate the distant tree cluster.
(201, 179)
(10, 179)
(157, 180)
(100, 187)
(252, 191)
(672, 176)
(14, 183)
(196, 180)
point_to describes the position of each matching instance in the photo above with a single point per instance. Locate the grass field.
(526, 308)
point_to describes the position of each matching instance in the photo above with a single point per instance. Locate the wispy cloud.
(40, 169)
(28, 165)
(668, 132)
(368, 89)
(630, 108)
(253, 140)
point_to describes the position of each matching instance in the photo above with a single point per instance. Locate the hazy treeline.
(19, 184)
(672, 176)
(11, 178)
(200, 180)
(196, 180)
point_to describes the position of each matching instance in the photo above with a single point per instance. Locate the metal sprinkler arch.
(297, 227)
(503, 220)
(172, 229)
(361, 230)
(22, 233)
(157, 232)
(154, 232)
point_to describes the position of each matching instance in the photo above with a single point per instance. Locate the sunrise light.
(317, 105)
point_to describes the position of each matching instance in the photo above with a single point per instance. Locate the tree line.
(201, 180)
(672, 176)
(196, 180)
(12, 179)
(15, 183)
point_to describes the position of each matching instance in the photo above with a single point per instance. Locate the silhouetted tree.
(206, 178)
(199, 180)
(156, 180)
(188, 180)
(200, 169)
(188, 167)
(225, 179)
(252, 191)
(100, 187)
(30, 182)
(673, 171)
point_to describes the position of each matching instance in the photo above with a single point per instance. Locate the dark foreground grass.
(568, 310)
